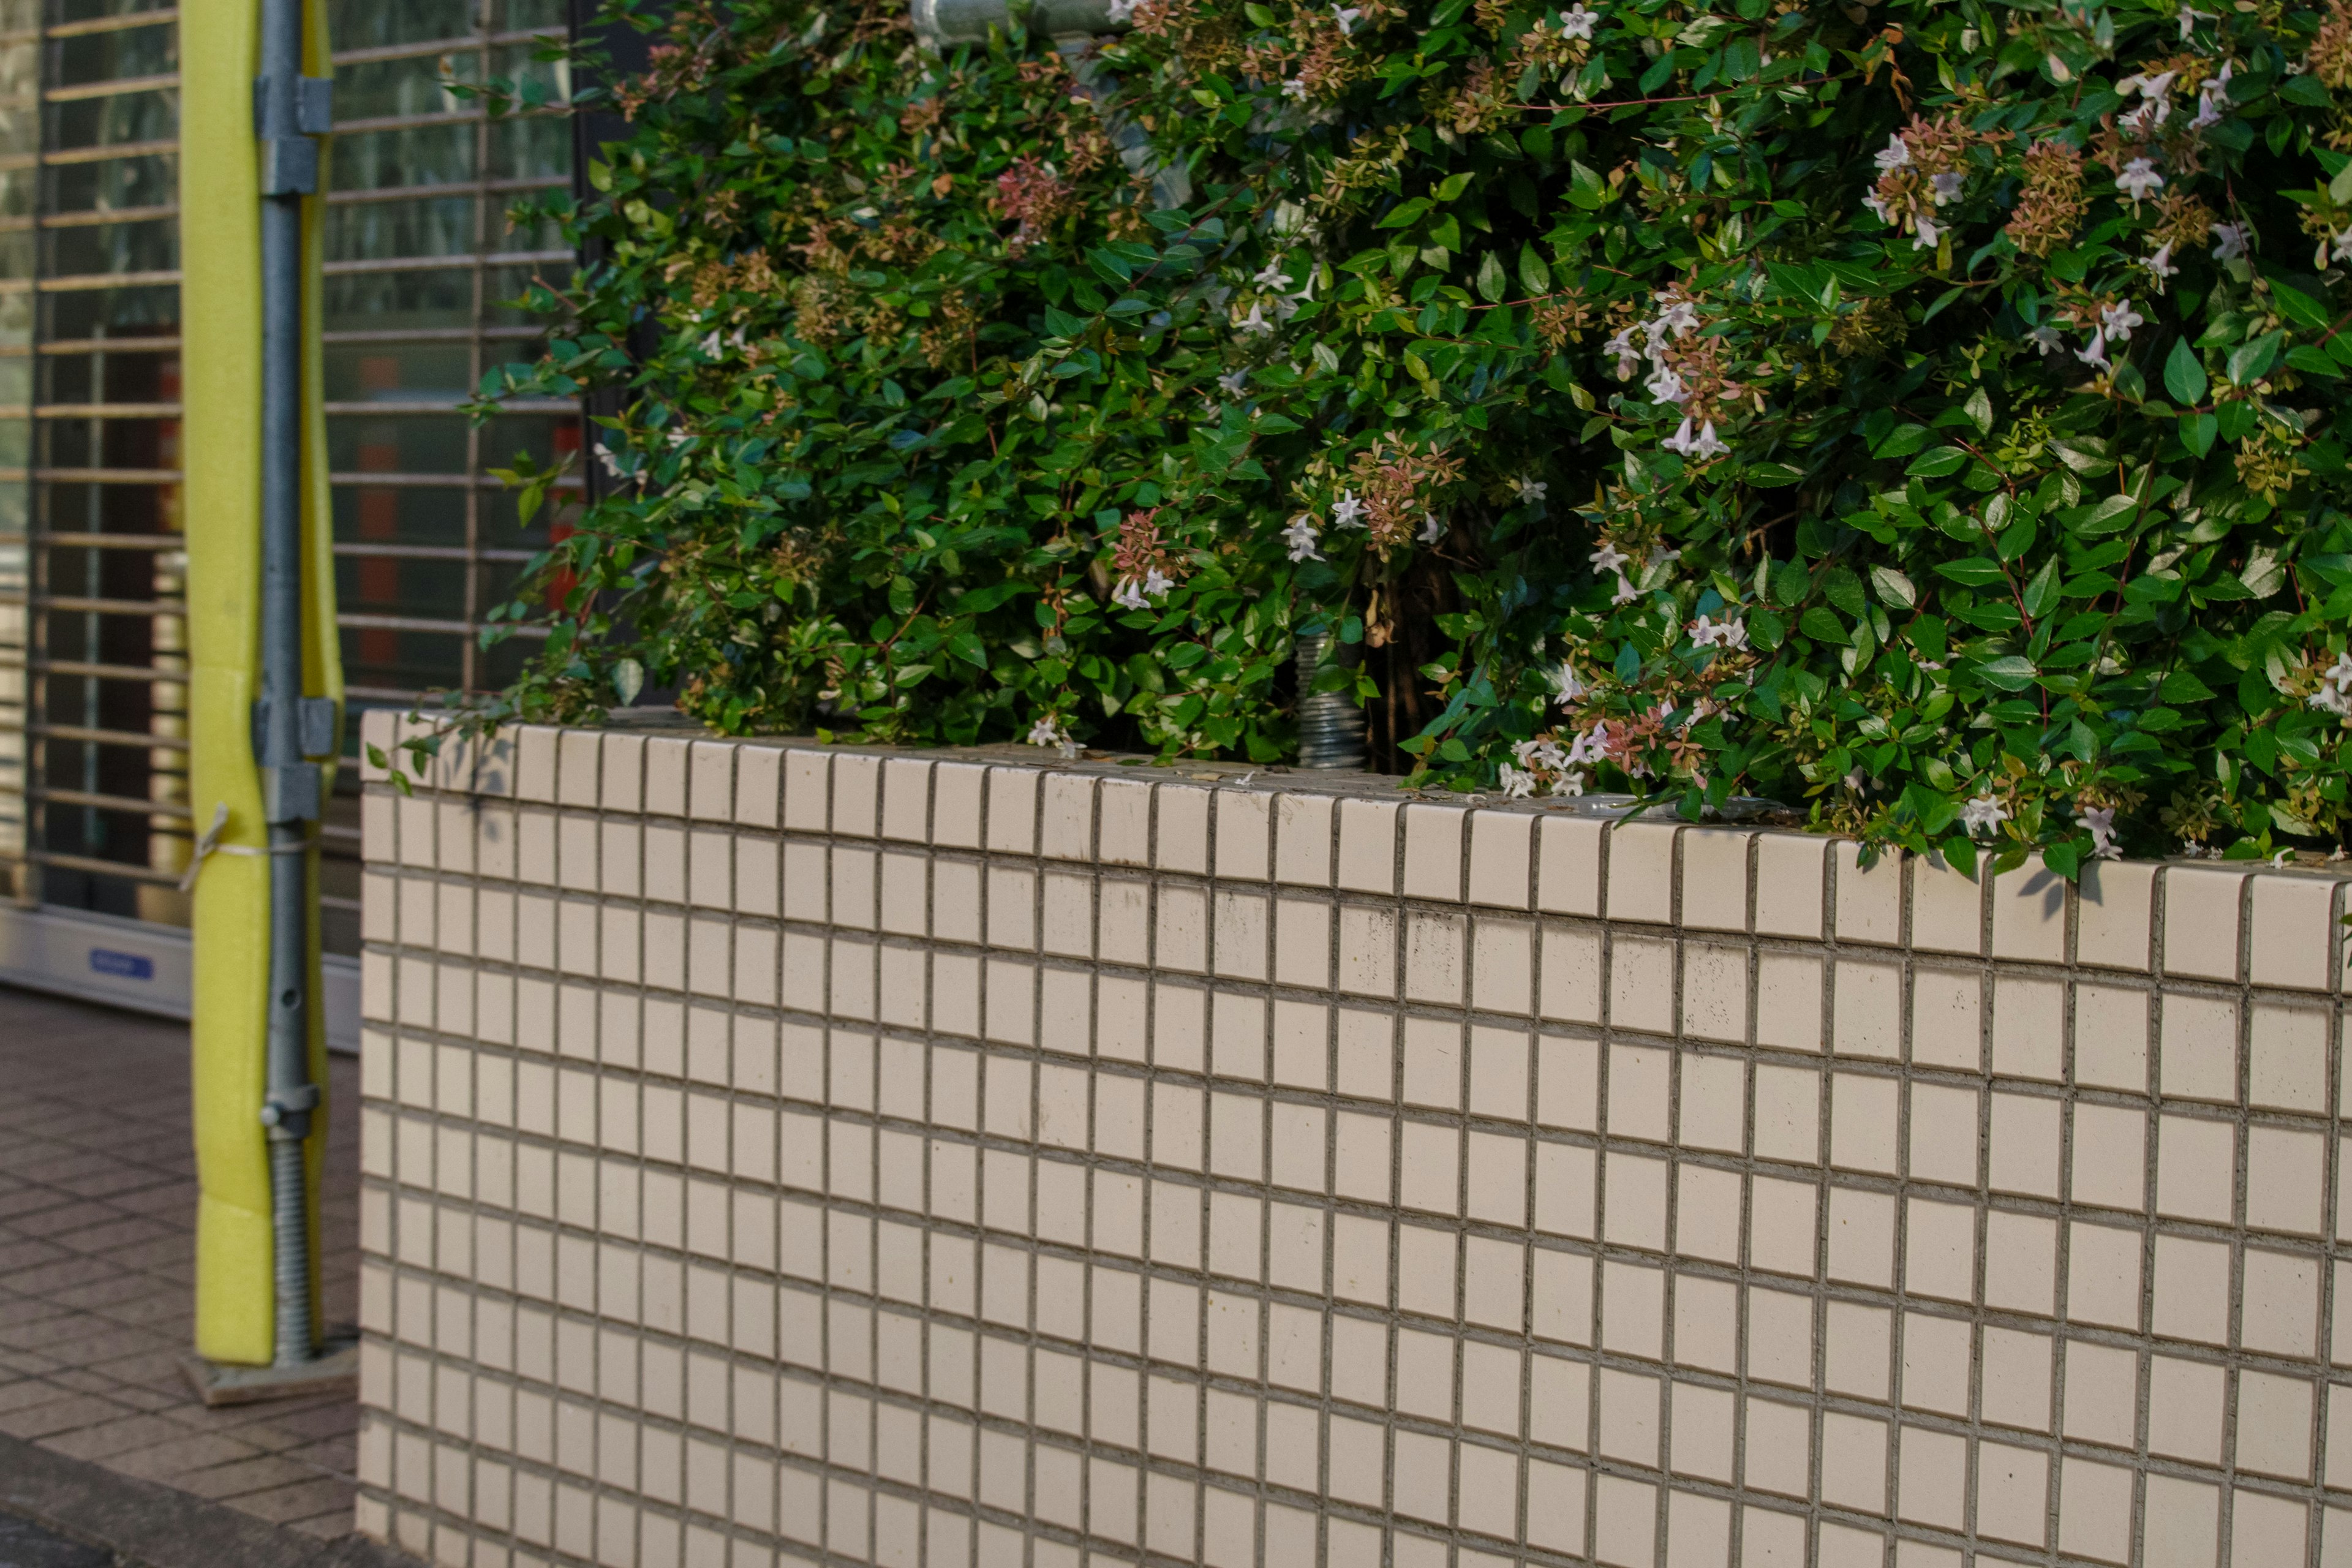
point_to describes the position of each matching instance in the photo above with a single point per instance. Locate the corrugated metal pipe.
(1331, 724)
(290, 110)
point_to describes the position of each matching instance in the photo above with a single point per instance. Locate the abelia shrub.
(1929, 415)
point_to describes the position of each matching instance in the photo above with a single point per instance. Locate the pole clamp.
(286, 119)
(287, 1112)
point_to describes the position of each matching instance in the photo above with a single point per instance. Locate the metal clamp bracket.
(287, 1113)
(286, 120)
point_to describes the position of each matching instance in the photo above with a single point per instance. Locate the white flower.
(1947, 186)
(1302, 538)
(1982, 813)
(1347, 511)
(678, 437)
(1431, 531)
(2335, 693)
(2139, 180)
(611, 464)
(711, 344)
(2228, 241)
(1924, 240)
(2189, 20)
(1048, 731)
(1233, 381)
(1666, 387)
(1295, 88)
(1698, 447)
(1622, 345)
(1130, 595)
(1516, 784)
(1897, 156)
(1879, 209)
(1156, 584)
(1626, 593)
(2341, 250)
(2151, 89)
(1585, 746)
(1531, 489)
(1345, 16)
(2117, 321)
(2101, 821)
(1725, 633)
(1255, 322)
(1272, 276)
(1123, 10)
(2159, 264)
(1571, 688)
(1578, 22)
(1678, 316)
(1608, 558)
(2095, 353)
(1571, 782)
(2213, 100)
(2045, 338)
(1536, 755)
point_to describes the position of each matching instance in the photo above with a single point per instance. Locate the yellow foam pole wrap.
(220, 311)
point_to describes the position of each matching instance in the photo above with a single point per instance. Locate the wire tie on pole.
(210, 843)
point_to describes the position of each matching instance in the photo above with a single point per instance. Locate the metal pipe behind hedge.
(1330, 725)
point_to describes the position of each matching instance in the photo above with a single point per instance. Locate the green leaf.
(2009, 672)
(2041, 592)
(1403, 213)
(1534, 275)
(1492, 284)
(1452, 185)
(2294, 304)
(1974, 572)
(2249, 362)
(2197, 433)
(1585, 189)
(1937, 463)
(2180, 686)
(1894, 588)
(628, 679)
(2184, 375)
(1903, 440)
(1771, 476)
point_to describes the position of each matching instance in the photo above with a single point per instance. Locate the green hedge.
(1931, 415)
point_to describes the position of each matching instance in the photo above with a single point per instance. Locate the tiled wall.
(777, 1154)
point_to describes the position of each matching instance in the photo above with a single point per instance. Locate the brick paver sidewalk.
(98, 1199)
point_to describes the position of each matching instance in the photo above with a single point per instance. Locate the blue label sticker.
(121, 966)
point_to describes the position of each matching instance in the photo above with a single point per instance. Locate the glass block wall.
(421, 259)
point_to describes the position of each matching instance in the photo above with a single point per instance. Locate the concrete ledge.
(152, 1526)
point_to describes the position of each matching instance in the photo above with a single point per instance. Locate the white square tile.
(1947, 907)
(1714, 991)
(1715, 879)
(1868, 1000)
(2111, 1038)
(2287, 1059)
(2114, 907)
(1939, 1250)
(1304, 839)
(2293, 940)
(857, 794)
(1641, 984)
(1570, 987)
(1180, 833)
(1367, 835)
(1501, 858)
(1869, 903)
(1642, 871)
(1789, 878)
(1432, 851)
(1067, 830)
(2198, 1046)
(1789, 1001)
(2200, 922)
(1567, 855)
(2029, 915)
(1245, 833)
(2029, 1028)
(1947, 1019)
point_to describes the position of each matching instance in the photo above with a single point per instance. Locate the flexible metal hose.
(1330, 725)
(290, 1224)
